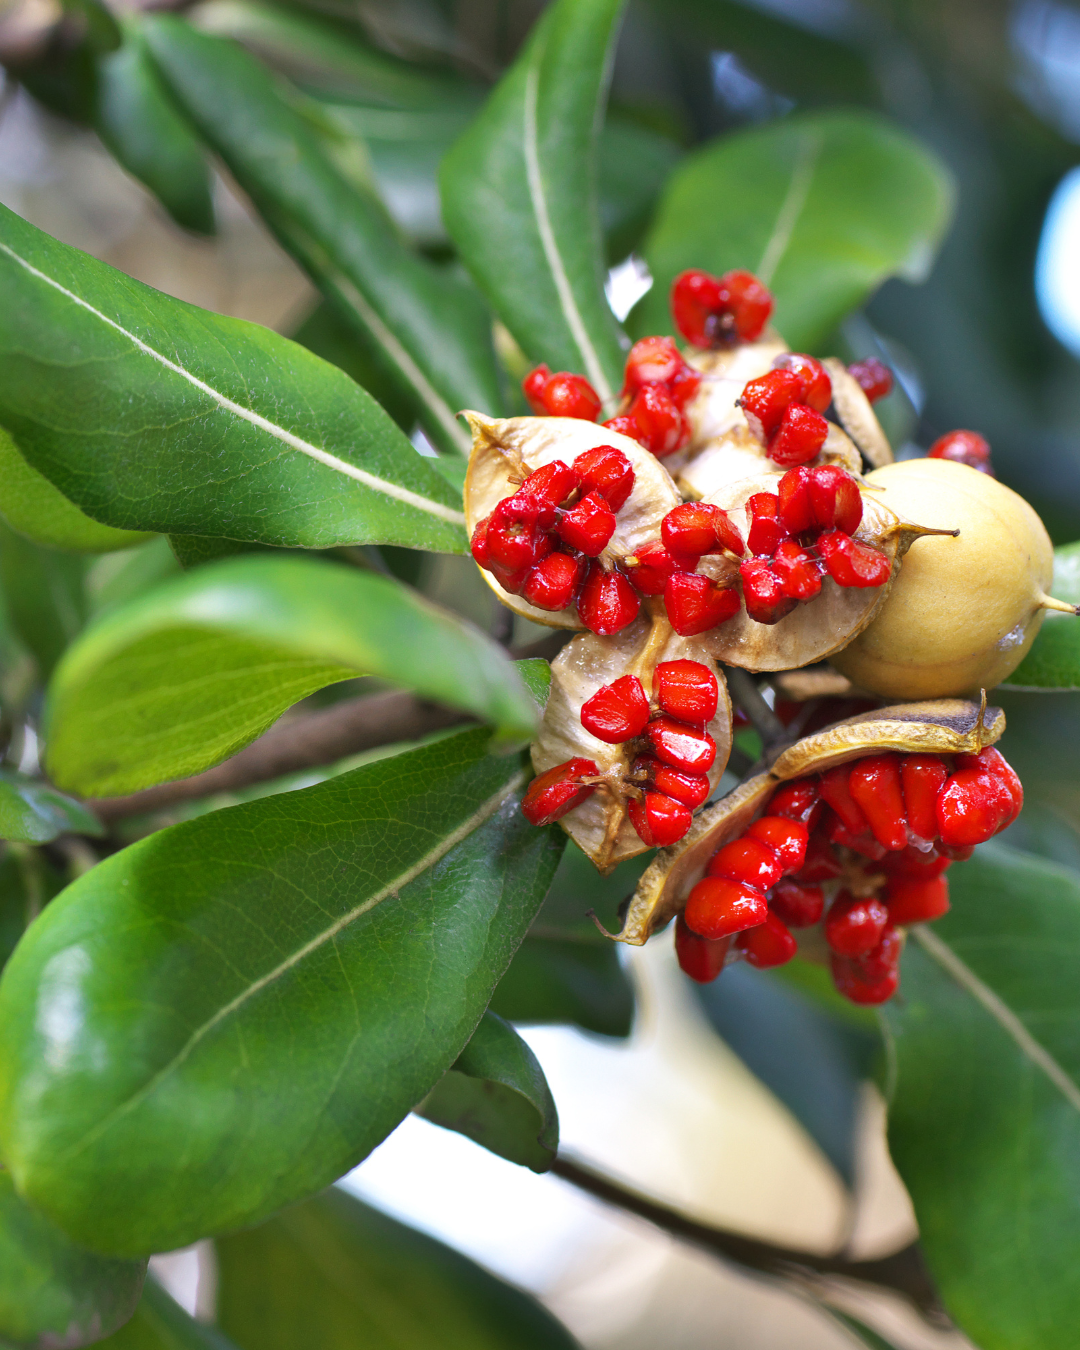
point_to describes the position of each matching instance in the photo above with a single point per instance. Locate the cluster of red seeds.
(668, 777)
(964, 447)
(800, 533)
(882, 830)
(785, 408)
(541, 543)
(873, 377)
(713, 312)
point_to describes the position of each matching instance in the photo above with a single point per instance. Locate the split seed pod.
(506, 450)
(941, 727)
(600, 825)
(856, 414)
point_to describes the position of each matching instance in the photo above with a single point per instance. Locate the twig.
(748, 696)
(902, 1271)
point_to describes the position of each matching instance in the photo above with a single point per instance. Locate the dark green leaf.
(984, 1122)
(33, 813)
(53, 1293)
(44, 594)
(495, 1092)
(28, 881)
(160, 1323)
(821, 206)
(191, 671)
(519, 195)
(194, 550)
(1054, 659)
(138, 122)
(429, 325)
(633, 165)
(152, 414)
(262, 994)
(337, 1274)
(863, 1334)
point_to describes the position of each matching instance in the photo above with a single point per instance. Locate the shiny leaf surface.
(159, 1323)
(32, 812)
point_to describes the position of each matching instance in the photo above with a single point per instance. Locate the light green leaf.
(138, 122)
(823, 207)
(495, 1092)
(160, 1323)
(53, 1293)
(262, 994)
(153, 414)
(33, 812)
(188, 673)
(338, 1274)
(984, 1123)
(519, 195)
(1053, 663)
(32, 506)
(429, 324)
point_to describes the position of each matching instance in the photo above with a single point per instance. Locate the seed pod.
(857, 415)
(942, 727)
(506, 450)
(600, 826)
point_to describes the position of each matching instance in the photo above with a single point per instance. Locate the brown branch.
(903, 1272)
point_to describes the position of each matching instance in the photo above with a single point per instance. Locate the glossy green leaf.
(429, 324)
(32, 506)
(32, 812)
(53, 1293)
(519, 195)
(338, 1274)
(1054, 659)
(44, 595)
(495, 1092)
(159, 1323)
(153, 414)
(984, 1121)
(191, 671)
(138, 122)
(823, 207)
(223, 1018)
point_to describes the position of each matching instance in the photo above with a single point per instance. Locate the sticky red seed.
(873, 377)
(552, 583)
(690, 789)
(837, 833)
(766, 528)
(793, 501)
(662, 426)
(533, 386)
(787, 839)
(588, 526)
(821, 862)
(766, 399)
(515, 537)
(749, 861)
(913, 862)
(550, 796)
(835, 500)
(719, 311)
(836, 791)
(854, 924)
(606, 470)
(659, 820)
(652, 360)
(617, 711)
(964, 447)
(914, 900)
(653, 565)
(687, 690)
(694, 603)
(993, 762)
(718, 907)
(798, 800)
(796, 571)
(851, 563)
(815, 385)
(682, 747)
(607, 603)
(696, 528)
(561, 395)
(799, 906)
(857, 986)
(550, 485)
(763, 592)
(874, 784)
(799, 437)
(699, 957)
(769, 944)
(972, 807)
(479, 544)
(922, 777)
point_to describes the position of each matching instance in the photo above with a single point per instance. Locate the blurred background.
(699, 1104)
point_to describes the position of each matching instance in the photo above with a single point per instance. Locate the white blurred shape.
(190, 1277)
(1057, 266)
(742, 94)
(1046, 39)
(626, 283)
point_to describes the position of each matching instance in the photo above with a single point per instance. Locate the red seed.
(550, 485)
(533, 386)
(690, 789)
(874, 784)
(695, 528)
(786, 838)
(796, 571)
(683, 747)
(607, 603)
(851, 563)
(854, 924)
(748, 302)
(922, 777)
(913, 862)
(766, 399)
(515, 537)
(993, 762)
(652, 360)
(617, 711)
(763, 593)
(873, 377)
(766, 528)
(749, 861)
(837, 833)
(588, 526)
(661, 423)
(798, 800)
(479, 545)
(971, 807)
(549, 797)
(509, 578)
(552, 582)
(659, 820)
(606, 470)
(684, 386)
(914, 900)
(799, 437)
(852, 980)
(687, 690)
(835, 500)
(769, 944)
(793, 505)
(695, 603)
(652, 566)
(567, 395)
(836, 791)
(699, 957)
(718, 907)
(816, 387)
(719, 311)
(799, 906)
(821, 862)
(964, 447)
(624, 425)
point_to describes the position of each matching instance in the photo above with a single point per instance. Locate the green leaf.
(495, 1092)
(984, 1123)
(53, 1293)
(160, 1323)
(153, 414)
(33, 812)
(338, 1274)
(519, 195)
(28, 881)
(32, 506)
(860, 1331)
(1054, 659)
(429, 325)
(261, 995)
(823, 207)
(44, 595)
(188, 673)
(138, 122)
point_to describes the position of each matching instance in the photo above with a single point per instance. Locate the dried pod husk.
(824, 625)
(940, 727)
(712, 411)
(506, 450)
(856, 414)
(600, 826)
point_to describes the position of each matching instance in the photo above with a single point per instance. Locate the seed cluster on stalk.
(860, 849)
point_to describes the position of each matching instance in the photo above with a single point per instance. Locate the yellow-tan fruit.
(962, 612)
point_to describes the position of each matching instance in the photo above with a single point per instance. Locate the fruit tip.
(1059, 606)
